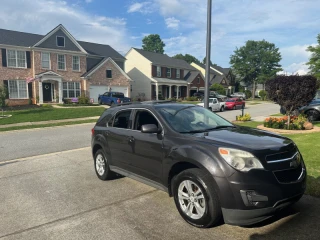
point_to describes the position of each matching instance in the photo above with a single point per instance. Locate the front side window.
(71, 89)
(16, 59)
(60, 41)
(61, 62)
(75, 63)
(45, 60)
(191, 119)
(144, 117)
(178, 73)
(17, 89)
(168, 72)
(158, 71)
(122, 119)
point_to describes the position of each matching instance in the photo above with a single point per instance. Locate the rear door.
(118, 136)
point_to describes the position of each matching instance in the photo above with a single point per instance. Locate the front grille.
(288, 153)
(289, 175)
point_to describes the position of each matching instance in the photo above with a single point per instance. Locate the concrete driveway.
(58, 196)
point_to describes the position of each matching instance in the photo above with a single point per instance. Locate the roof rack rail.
(123, 104)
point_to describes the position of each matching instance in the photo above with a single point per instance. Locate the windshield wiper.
(221, 126)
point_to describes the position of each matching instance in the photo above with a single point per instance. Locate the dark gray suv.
(212, 168)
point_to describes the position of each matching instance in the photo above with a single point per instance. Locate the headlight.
(240, 160)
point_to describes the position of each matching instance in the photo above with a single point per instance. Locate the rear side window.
(118, 95)
(122, 119)
(106, 117)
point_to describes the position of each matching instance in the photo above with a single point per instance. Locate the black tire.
(100, 101)
(210, 109)
(212, 210)
(107, 174)
(112, 104)
(234, 107)
(312, 115)
(222, 109)
(244, 105)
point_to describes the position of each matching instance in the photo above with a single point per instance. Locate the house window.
(18, 89)
(76, 63)
(198, 80)
(177, 73)
(61, 62)
(168, 72)
(109, 73)
(45, 60)
(16, 59)
(60, 41)
(158, 71)
(71, 89)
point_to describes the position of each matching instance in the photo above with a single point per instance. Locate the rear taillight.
(92, 131)
(118, 100)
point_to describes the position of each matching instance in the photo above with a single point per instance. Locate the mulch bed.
(284, 131)
(22, 107)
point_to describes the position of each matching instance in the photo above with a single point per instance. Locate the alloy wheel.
(191, 199)
(100, 164)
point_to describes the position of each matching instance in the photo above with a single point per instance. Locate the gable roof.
(100, 64)
(164, 60)
(192, 75)
(63, 29)
(22, 39)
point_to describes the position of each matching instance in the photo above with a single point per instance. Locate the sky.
(292, 25)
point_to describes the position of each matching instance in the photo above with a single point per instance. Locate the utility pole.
(207, 77)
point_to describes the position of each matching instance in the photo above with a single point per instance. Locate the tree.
(188, 58)
(218, 88)
(3, 95)
(291, 92)
(256, 62)
(204, 61)
(314, 61)
(153, 43)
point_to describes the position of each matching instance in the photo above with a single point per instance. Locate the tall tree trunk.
(253, 89)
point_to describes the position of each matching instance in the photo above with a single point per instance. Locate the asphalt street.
(58, 196)
(33, 142)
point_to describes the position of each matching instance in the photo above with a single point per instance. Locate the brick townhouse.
(58, 66)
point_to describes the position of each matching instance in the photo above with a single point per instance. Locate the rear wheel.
(196, 198)
(102, 166)
(112, 103)
(100, 101)
(312, 115)
(222, 109)
(210, 108)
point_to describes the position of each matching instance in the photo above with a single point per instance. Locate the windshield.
(230, 100)
(191, 119)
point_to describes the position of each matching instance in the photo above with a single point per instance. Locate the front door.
(47, 92)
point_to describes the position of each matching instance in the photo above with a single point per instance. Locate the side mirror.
(150, 128)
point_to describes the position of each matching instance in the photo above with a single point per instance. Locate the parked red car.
(235, 103)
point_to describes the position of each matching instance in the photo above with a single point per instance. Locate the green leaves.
(314, 61)
(153, 43)
(188, 58)
(256, 62)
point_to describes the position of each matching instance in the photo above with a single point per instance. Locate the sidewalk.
(48, 122)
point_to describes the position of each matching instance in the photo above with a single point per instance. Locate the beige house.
(157, 76)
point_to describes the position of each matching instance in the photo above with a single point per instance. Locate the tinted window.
(122, 119)
(144, 117)
(107, 94)
(106, 117)
(230, 100)
(118, 95)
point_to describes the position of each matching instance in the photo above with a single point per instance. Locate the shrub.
(192, 99)
(248, 94)
(83, 100)
(172, 99)
(179, 100)
(244, 118)
(3, 95)
(296, 122)
(263, 94)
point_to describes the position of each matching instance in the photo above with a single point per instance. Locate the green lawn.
(49, 113)
(311, 154)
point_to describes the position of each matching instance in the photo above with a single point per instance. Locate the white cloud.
(296, 51)
(172, 23)
(142, 7)
(81, 24)
(295, 68)
(88, 1)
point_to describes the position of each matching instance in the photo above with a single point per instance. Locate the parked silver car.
(239, 95)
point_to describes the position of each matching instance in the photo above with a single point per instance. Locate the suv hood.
(246, 138)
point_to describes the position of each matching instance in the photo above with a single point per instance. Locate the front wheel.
(312, 115)
(196, 198)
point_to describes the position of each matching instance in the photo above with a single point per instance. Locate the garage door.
(96, 90)
(121, 89)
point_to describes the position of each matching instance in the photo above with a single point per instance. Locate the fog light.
(251, 198)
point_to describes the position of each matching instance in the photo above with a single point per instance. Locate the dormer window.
(60, 41)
